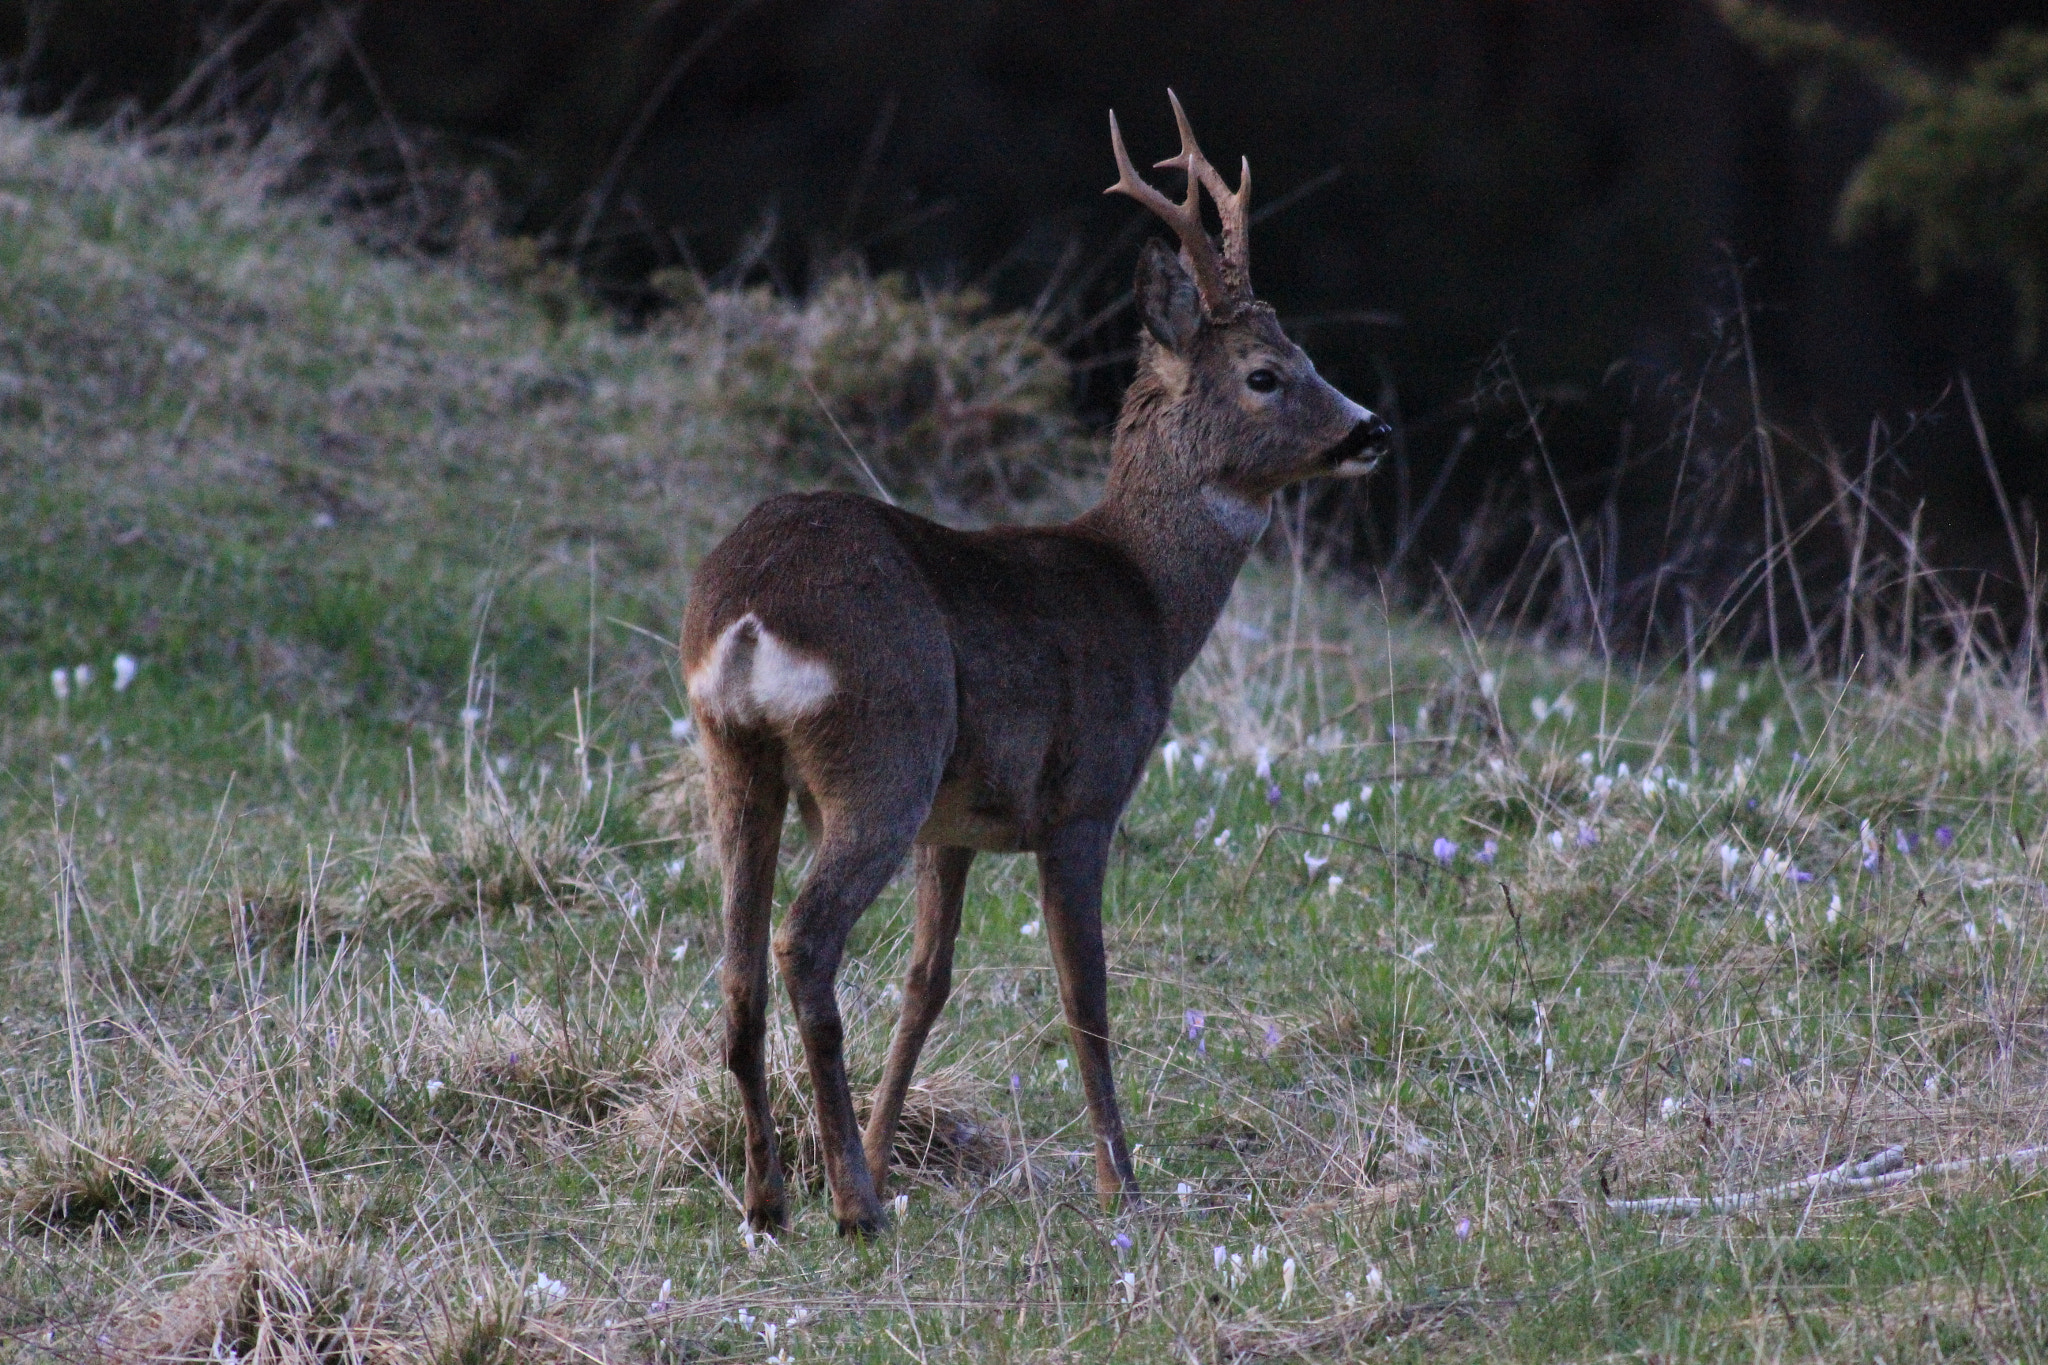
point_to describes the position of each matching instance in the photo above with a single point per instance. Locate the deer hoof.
(866, 1228)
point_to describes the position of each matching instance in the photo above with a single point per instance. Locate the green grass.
(346, 1025)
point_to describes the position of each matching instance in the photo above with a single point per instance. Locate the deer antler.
(1223, 278)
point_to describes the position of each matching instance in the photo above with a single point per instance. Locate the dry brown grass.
(949, 1131)
(271, 1296)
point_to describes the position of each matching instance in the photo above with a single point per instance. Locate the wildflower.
(435, 1087)
(1186, 1193)
(1336, 882)
(1375, 1283)
(1311, 779)
(1872, 860)
(1199, 761)
(1030, 928)
(1540, 709)
(1122, 1243)
(1197, 1021)
(1286, 1280)
(545, 1291)
(680, 951)
(81, 676)
(1488, 851)
(1907, 841)
(661, 1296)
(1444, 849)
(60, 683)
(1799, 875)
(1222, 1254)
(1602, 785)
(124, 671)
(1588, 836)
(679, 728)
(1669, 1109)
(1557, 839)
(901, 1203)
(1273, 793)
(1340, 812)
(1060, 1065)
(1945, 837)
(1834, 907)
(1129, 1281)
(1489, 685)
(1016, 1083)
(469, 716)
(1315, 862)
(1262, 764)
(1708, 677)
(1273, 1031)
(1258, 1256)
(1970, 931)
(1221, 840)
(1364, 793)
(1585, 758)
(1464, 1229)
(1170, 752)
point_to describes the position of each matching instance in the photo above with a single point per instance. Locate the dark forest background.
(1605, 215)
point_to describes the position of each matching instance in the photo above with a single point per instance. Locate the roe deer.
(948, 692)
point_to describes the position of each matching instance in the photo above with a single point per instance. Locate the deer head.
(1223, 401)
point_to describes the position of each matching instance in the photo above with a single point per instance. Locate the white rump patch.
(749, 676)
(1241, 519)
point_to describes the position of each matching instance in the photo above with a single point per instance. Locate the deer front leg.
(1070, 871)
(846, 877)
(747, 801)
(941, 886)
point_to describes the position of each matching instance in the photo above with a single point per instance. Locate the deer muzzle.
(1360, 450)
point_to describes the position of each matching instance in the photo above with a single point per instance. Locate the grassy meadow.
(362, 942)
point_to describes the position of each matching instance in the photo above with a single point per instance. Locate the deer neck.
(1187, 537)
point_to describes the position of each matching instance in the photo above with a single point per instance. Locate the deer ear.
(1167, 300)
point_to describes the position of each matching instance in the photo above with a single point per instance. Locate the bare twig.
(1881, 1171)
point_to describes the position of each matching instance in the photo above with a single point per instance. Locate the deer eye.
(1262, 381)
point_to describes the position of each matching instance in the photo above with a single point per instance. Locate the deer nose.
(1361, 447)
(1373, 435)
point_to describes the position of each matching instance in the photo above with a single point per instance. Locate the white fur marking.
(748, 676)
(785, 683)
(1241, 519)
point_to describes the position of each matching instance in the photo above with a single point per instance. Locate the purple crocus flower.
(1016, 1083)
(1197, 1021)
(1272, 793)
(1444, 849)
(1588, 836)
(1872, 861)
(1272, 1036)
(1800, 875)
(1907, 841)
(1488, 851)
(1122, 1243)
(1464, 1229)
(1944, 836)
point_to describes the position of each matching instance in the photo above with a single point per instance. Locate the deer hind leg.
(850, 870)
(941, 886)
(1070, 871)
(748, 797)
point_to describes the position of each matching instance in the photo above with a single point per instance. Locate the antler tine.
(1232, 206)
(1184, 219)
